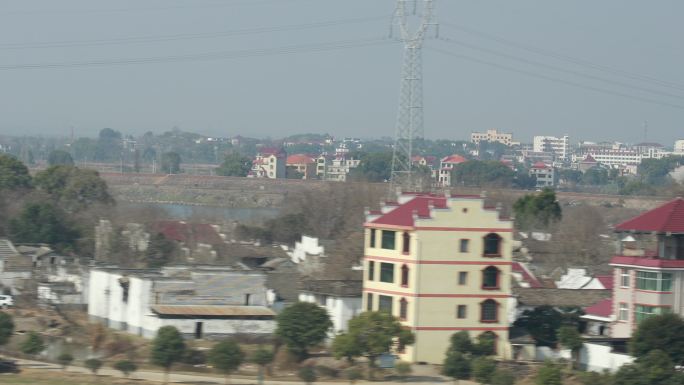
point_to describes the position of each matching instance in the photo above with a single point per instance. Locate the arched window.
(406, 243)
(489, 311)
(490, 278)
(404, 276)
(492, 245)
(403, 309)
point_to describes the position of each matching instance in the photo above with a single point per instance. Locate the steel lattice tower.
(410, 115)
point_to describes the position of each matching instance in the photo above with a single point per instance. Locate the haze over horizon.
(594, 71)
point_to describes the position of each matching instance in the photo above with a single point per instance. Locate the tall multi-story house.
(544, 173)
(446, 165)
(559, 146)
(649, 269)
(440, 264)
(339, 167)
(303, 164)
(492, 136)
(269, 163)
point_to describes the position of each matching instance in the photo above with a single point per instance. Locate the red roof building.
(668, 218)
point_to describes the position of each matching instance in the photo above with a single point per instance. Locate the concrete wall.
(340, 309)
(212, 328)
(597, 358)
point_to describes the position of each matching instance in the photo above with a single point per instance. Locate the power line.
(571, 59)
(210, 56)
(175, 37)
(556, 80)
(560, 69)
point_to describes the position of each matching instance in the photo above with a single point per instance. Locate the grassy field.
(50, 377)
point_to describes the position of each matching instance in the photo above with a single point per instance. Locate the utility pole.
(410, 115)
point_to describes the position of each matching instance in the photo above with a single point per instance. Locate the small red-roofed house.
(269, 163)
(599, 317)
(445, 166)
(544, 174)
(303, 164)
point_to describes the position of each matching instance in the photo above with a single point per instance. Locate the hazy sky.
(247, 67)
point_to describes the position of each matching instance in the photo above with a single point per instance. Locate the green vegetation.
(93, 364)
(660, 332)
(60, 158)
(370, 335)
(457, 366)
(6, 327)
(168, 348)
(483, 369)
(570, 338)
(43, 223)
(160, 251)
(126, 367)
(32, 344)
(543, 323)
(549, 374)
(226, 356)
(537, 211)
(65, 359)
(307, 374)
(14, 175)
(170, 163)
(234, 164)
(73, 188)
(403, 369)
(286, 228)
(502, 377)
(262, 357)
(374, 167)
(302, 326)
(479, 173)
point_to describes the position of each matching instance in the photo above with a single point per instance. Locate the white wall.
(340, 309)
(596, 358)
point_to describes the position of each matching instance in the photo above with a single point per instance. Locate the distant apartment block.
(492, 136)
(339, 168)
(559, 146)
(679, 147)
(440, 264)
(269, 163)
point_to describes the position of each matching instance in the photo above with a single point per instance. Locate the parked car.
(6, 301)
(8, 366)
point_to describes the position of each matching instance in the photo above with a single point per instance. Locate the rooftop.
(668, 218)
(454, 159)
(336, 288)
(560, 297)
(603, 308)
(212, 311)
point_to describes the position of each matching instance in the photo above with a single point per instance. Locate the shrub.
(353, 374)
(65, 359)
(326, 371)
(33, 344)
(126, 367)
(403, 369)
(307, 374)
(93, 364)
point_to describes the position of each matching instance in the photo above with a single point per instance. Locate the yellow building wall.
(434, 263)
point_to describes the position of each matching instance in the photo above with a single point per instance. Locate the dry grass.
(51, 377)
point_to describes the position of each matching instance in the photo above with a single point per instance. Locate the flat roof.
(212, 311)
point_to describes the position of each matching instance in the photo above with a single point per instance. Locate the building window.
(623, 314)
(387, 272)
(462, 277)
(388, 239)
(369, 302)
(406, 243)
(461, 311)
(404, 276)
(641, 312)
(385, 303)
(490, 278)
(624, 278)
(652, 281)
(403, 309)
(371, 270)
(463, 247)
(489, 311)
(492, 245)
(372, 238)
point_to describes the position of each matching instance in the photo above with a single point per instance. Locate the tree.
(60, 158)
(74, 188)
(170, 163)
(262, 357)
(373, 167)
(478, 173)
(543, 323)
(167, 348)
(456, 366)
(374, 333)
(403, 369)
(43, 223)
(234, 164)
(307, 374)
(549, 374)
(65, 359)
(502, 377)
(537, 210)
(660, 332)
(595, 176)
(33, 344)
(570, 338)
(655, 368)
(353, 374)
(461, 343)
(14, 175)
(291, 172)
(6, 327)
(345, 346)
(126, 367)
(483, 369)
(302, 326)
(226, 356)
(160, 251)
(93, 364)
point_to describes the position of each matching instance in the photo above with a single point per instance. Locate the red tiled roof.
(454, 159)
(527, 276)
(541, 165)
(185, 232)
(603, 308)
(589, 159)
(606, 281)
(300, 159)
(666, 218)
(402, 215)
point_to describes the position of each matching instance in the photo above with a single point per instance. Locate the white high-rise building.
(558, 146)
(679, 146)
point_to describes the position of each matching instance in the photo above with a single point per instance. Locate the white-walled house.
(341, 298)
(201, 302)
